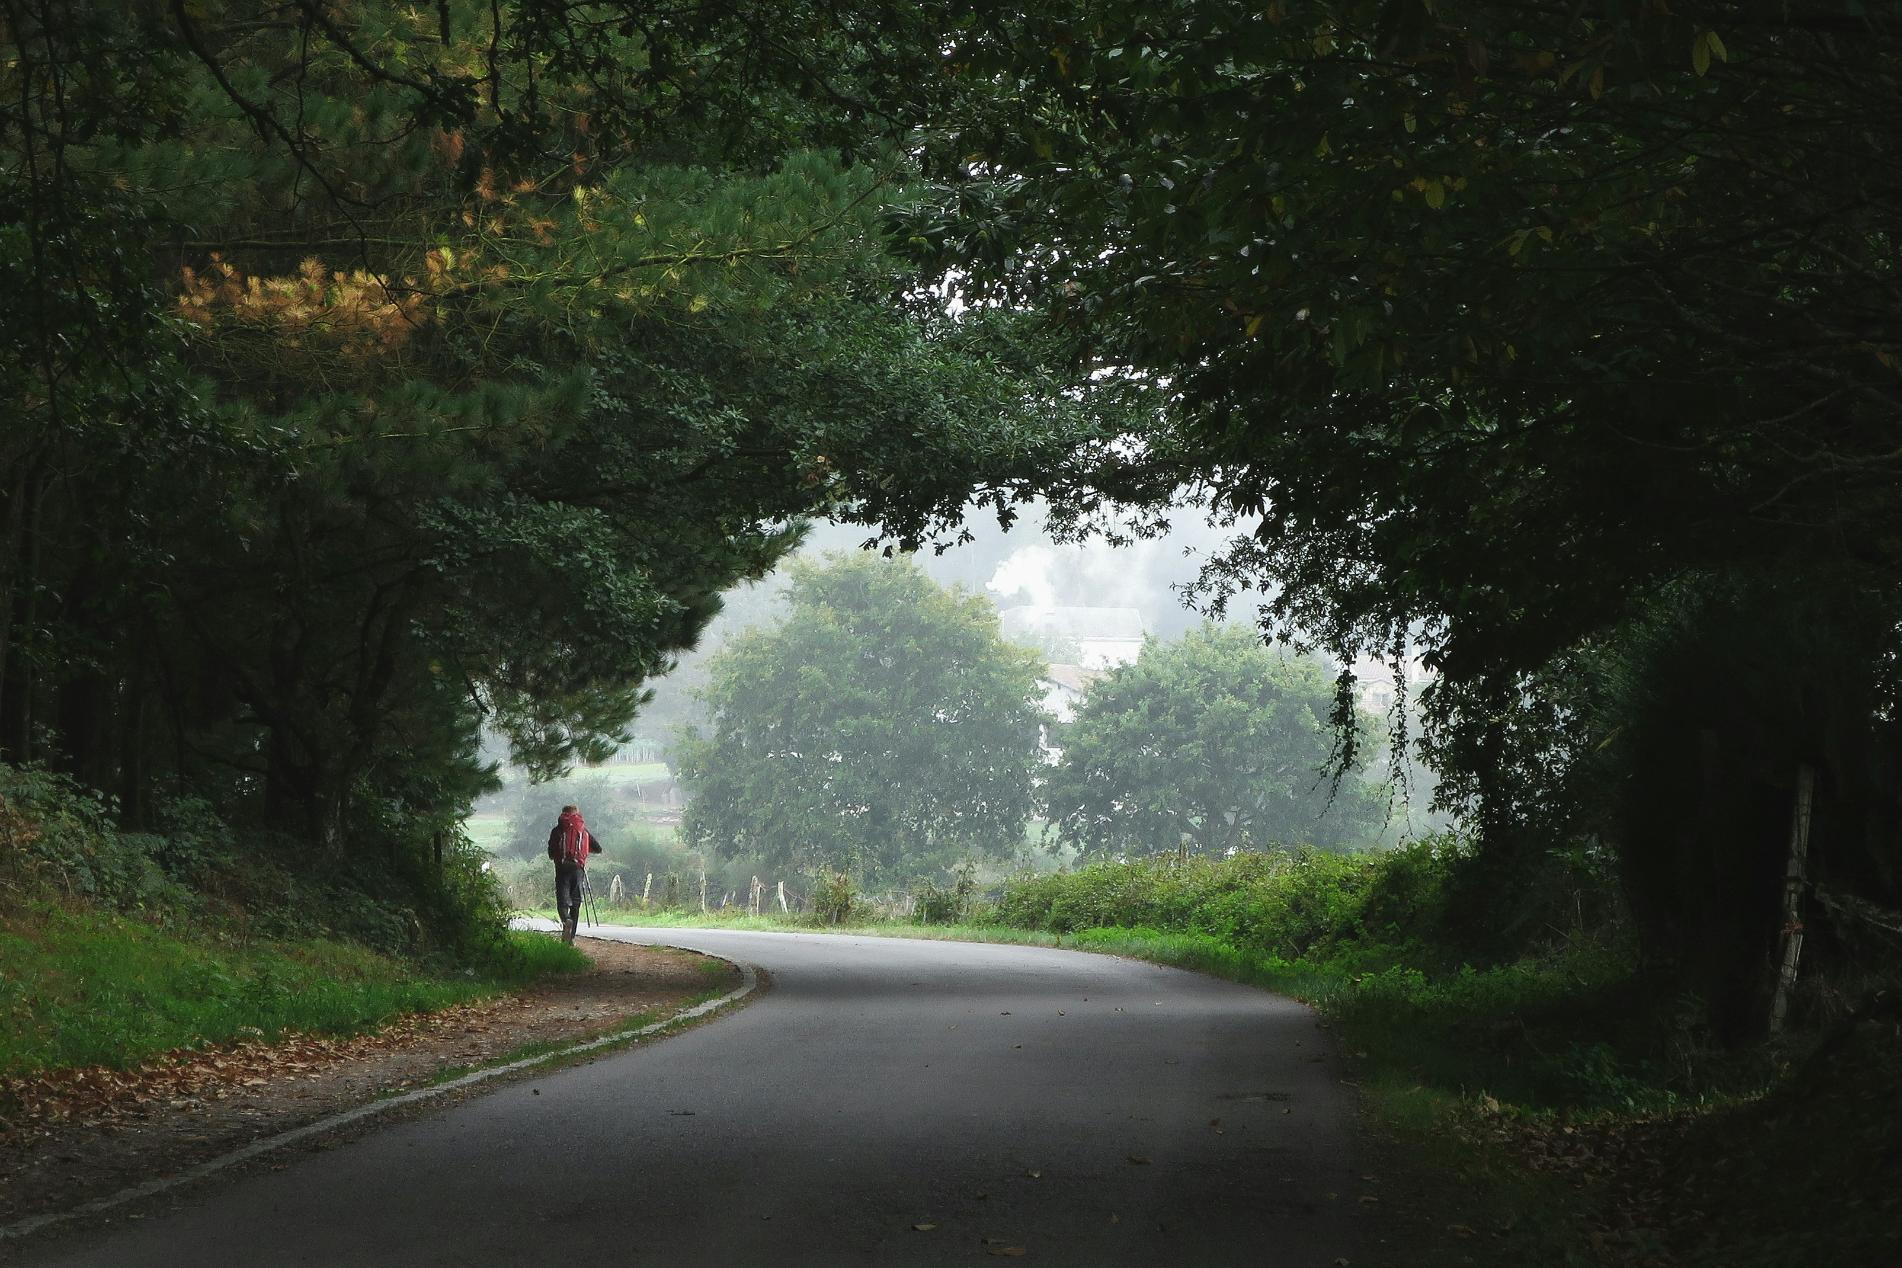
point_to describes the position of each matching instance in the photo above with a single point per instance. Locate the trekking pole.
(587, 900)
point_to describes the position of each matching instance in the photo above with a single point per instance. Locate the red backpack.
(571, 840)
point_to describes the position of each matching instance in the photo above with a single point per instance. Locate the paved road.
(1001, 1093)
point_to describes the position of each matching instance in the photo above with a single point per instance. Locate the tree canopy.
(1447, 297)
(1209, 743)
(883, 729)
(376, 372)
(1526, 334)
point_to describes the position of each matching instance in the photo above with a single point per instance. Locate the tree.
(1500, 317)
(1524, 330)
(1209, 743)
(883, 729)
(381, 369)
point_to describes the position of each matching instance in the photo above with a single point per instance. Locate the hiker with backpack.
(569, 844)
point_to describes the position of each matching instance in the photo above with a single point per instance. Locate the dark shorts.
(567, 891)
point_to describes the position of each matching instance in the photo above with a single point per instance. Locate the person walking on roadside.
(569, 844)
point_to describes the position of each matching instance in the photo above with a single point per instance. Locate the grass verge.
(82, 987)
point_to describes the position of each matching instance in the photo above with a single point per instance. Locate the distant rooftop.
(1075, 677)
(1075, 623)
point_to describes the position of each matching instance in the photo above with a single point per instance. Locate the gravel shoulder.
(79, 1134)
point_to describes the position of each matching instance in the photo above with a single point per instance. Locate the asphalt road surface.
(1020, 1103)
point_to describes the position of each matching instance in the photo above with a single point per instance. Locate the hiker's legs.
(567, 893)
(568, 899)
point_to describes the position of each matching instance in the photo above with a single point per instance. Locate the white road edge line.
(749, 980)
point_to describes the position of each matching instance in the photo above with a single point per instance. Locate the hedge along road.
(888, 1102)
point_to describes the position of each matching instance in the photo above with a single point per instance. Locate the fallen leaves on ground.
(184, 1076)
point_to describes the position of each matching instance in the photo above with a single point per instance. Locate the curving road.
(1053, 1106)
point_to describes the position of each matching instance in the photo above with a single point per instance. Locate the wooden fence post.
(782, 898)
(647, 889)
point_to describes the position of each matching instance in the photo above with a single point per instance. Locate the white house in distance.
(1063, 688)
(1082, 643)
(1101, 637)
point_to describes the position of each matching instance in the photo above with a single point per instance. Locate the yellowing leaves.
(354, 312)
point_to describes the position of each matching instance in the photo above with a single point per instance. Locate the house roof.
(1074, 677)
(1115, 624)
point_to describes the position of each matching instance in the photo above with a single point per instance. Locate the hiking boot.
(568, 931)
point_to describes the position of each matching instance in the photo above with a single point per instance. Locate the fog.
(1025, 565)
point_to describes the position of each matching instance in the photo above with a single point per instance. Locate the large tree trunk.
(17, 676)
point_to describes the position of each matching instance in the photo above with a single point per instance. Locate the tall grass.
(91, 988)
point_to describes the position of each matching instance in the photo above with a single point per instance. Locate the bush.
(398, 893)
(1286, 905)
(61, 840)
(1433, 903)
(934, 904)
(834, 898)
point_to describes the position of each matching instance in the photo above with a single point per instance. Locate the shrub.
(61, 840)
(1282, 904)
(834, 897)
(935, 904)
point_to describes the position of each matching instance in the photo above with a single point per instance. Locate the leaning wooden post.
(782, 898)
(703, 889)
(1795, 881)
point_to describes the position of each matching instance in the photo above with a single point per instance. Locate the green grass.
(490, 831)
(84, 988)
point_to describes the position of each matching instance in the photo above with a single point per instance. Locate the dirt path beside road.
(79, 1134)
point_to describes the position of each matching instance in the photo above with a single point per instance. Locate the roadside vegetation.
(117, 947)
(92, 988)
(1565, 1093)
(394, 389)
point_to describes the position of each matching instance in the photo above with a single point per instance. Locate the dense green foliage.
(117, 946)
(1552, 345)
(1403, 906)
(1211, 742)
(375, 371)
(885, 729)
(194, 871)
